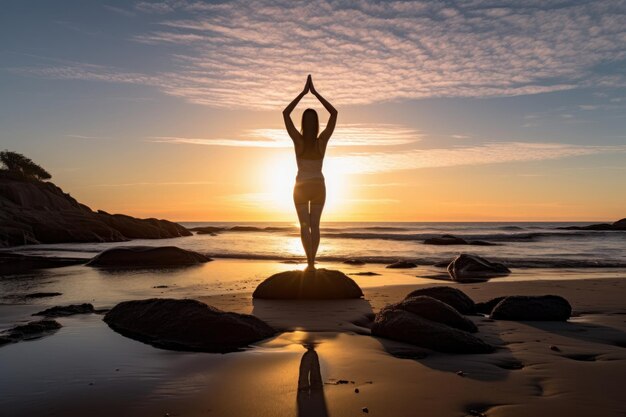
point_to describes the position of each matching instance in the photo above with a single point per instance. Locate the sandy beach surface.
(577, 368)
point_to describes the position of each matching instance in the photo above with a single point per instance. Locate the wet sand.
(87, 369)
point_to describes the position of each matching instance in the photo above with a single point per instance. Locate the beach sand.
(577, 368)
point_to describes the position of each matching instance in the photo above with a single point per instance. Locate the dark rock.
(618, 225)
(410, 328)
(309, 284)
(532, 308)
(435, 310)
(354, 262)
(245, 229)
(42, 294)
(441, 264)
(366, 274)
(34, 212)
(445, 240)
(451, 296)
(487, 306)
(402, 265)
(147, 257)
(186, 325)
(30, 331)
(70, 310)
(13, 263)
(466, 267)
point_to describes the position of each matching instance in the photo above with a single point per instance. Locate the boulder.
(69, 310)
(147, 257)
(532, 308)
(453, 297)
(487, 306)
(466, 267)
(186, 325)
(402, 265)
(620, 224)
(434, 310)
(410, 328)
(30, 331)
(315, 284)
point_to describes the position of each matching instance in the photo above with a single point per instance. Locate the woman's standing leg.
(304, 217)
(315, 218)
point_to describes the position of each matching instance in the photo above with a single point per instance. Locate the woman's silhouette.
(309, 193)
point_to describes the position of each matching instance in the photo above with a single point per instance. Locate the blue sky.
(104, 94)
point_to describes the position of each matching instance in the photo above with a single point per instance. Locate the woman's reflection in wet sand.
(311, 402)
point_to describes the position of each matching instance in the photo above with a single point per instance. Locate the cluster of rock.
(428, 318)
(34, 212)
(29, 331)
(433, 318)
(618, 225)
(147, 257)
(186, 325)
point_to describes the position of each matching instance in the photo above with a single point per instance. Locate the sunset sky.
(448, 111)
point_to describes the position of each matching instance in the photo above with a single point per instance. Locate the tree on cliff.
(17, 163)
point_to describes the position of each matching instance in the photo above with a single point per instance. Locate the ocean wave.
(494, 237)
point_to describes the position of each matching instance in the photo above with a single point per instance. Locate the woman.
(309, 193)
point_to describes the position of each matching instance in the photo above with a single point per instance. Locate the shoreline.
(524, 376)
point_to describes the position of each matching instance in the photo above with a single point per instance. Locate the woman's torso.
(310, 161)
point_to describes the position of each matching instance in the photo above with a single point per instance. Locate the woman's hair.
(310, 124)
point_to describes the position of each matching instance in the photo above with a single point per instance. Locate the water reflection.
(310, 399)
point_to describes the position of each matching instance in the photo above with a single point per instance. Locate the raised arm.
(332, 121)
(291, 129)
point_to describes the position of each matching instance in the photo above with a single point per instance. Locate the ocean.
(517, 245)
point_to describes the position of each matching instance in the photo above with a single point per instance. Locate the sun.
(279, 180)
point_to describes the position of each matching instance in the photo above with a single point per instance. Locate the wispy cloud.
(253, 54)
(73, 136)
(346, 135)
(489, 153)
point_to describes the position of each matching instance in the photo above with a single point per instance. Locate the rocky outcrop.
(69, 310)
(464, 268)
(147, 257)
(407, 327)
(318, 284)
(435, 310)
(453, 240)
(186, 325)
(618, 225)
(34, 212)
(29, 331)
(532, 308)
(451, 296)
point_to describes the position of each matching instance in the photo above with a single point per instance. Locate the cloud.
(345, 135)
(489, 153)
(256, 54)
(158, 184)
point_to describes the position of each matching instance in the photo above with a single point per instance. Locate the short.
(313, 191)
